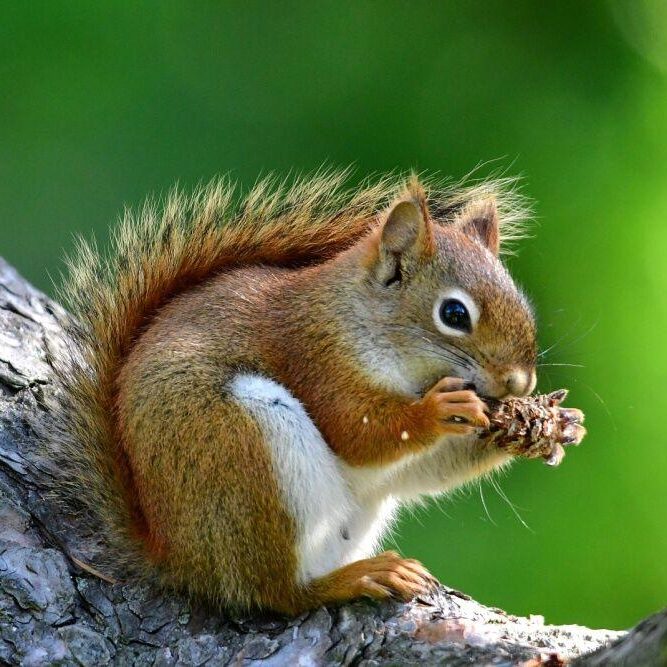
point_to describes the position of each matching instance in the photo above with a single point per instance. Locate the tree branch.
(52, 610)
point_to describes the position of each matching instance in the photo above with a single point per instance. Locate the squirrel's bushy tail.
(157, 253)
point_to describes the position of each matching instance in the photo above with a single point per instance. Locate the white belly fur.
(340, 512)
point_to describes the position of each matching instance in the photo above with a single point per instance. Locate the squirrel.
(255, 385)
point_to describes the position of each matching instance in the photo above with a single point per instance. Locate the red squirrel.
(256, 387)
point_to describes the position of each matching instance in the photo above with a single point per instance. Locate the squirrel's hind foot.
(386, 575)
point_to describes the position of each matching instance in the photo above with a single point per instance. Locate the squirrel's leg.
(334, 524)
(368, 428)
(246, 505)
(217, 525)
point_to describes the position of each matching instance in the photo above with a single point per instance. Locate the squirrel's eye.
(454, 314)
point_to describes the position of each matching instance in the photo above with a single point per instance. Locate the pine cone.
(535, 426)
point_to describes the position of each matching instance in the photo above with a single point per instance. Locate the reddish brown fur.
(186, 317)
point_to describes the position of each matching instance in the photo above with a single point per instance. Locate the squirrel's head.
(443, 300)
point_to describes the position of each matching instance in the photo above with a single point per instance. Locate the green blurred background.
(105, 102)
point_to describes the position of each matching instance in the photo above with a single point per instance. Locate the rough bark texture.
(54, 612)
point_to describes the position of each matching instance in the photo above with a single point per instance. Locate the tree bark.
(53, 611)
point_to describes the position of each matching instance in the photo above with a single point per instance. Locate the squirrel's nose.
(520, 382)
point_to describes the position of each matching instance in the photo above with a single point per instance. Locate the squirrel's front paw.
(458, 410)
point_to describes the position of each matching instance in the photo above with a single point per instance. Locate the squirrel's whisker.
(561, 364)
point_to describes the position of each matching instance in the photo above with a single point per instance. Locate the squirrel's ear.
(406, 236)
(480, 220)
